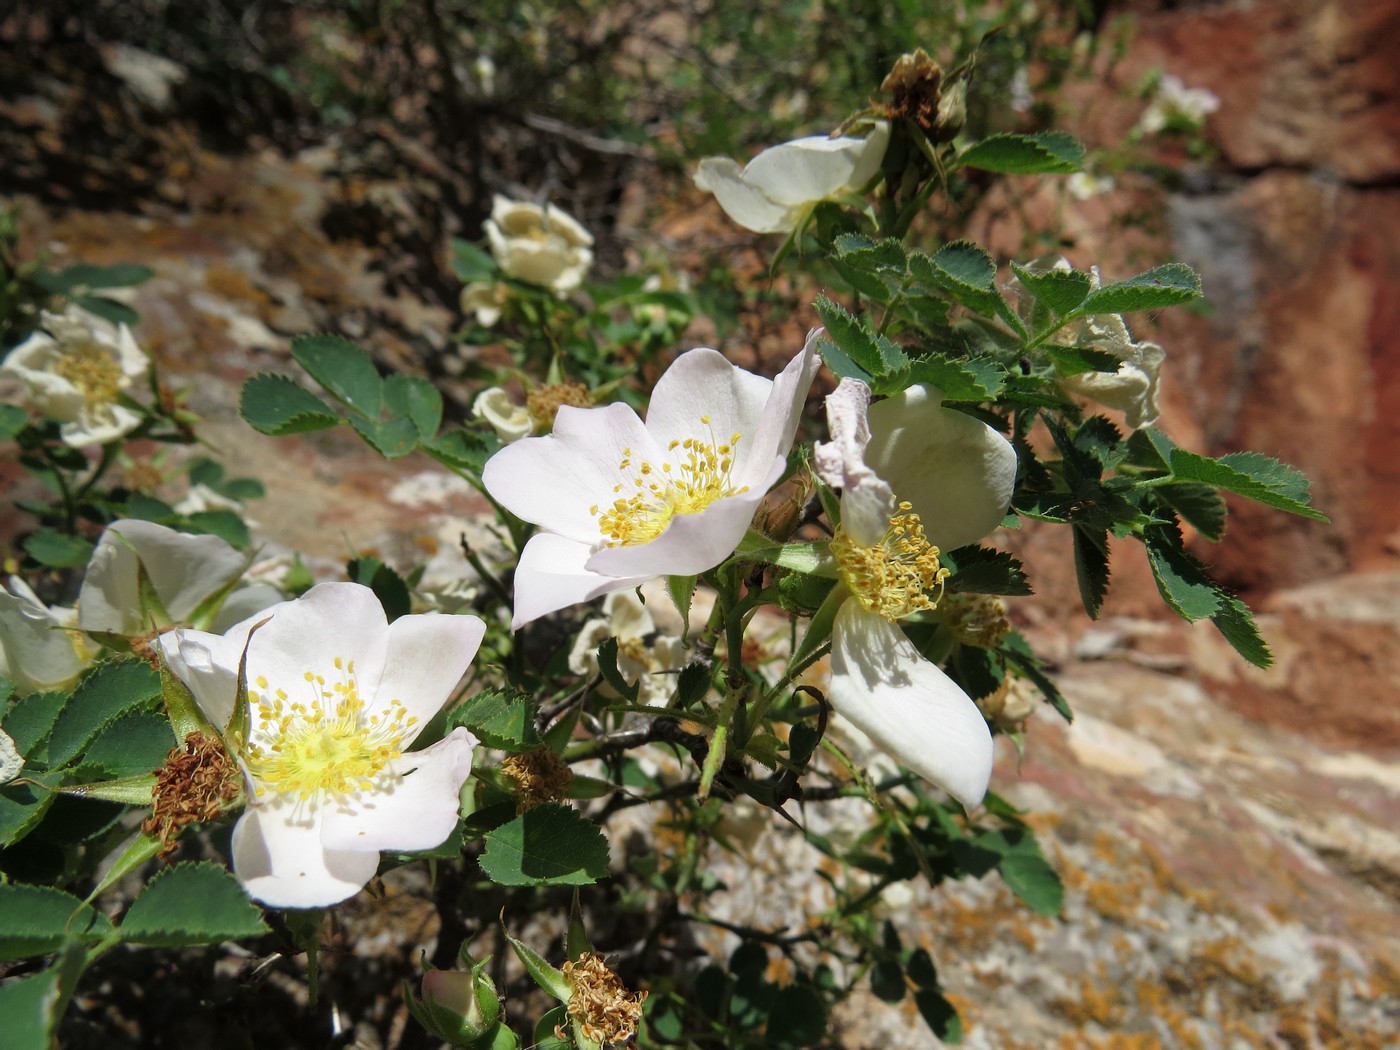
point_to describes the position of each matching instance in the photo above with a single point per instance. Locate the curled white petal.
(510, 421)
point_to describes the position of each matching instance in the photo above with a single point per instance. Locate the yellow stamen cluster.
(328, 746)
(541, 776)
(699, 473)
(976, 619)
(894, 577)
(93, 370)
(544, 402)
(601, 1004)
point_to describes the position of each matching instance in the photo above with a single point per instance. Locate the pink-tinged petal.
(556, 481)
(419, 812)
(553, 575)
(330, 621)
(280, 860)
(957, 472)
(428, 654)
(907, 705)
(701, 382)
(747, 204)
(691, 543)
(783, 411)
(208, 665)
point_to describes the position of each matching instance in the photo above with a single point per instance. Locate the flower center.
(330, 745)
(698, 474)
(92, 370)
(892, 578)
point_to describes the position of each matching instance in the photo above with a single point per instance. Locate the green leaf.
(108, 692)
(682, 592)
(983, 570)
(548, 977)
(27, 1008)
(607, 666)
(416, 399)
(108, 309)
(1198, 505)
(1049, 152)
(459, 449)
(388, 586)
(975, 380)
(1151, 290)
(692, 684)
(1029, 875)
(24, 805)
(873, 354)
(278, 406)
(30, 719)
(1181, 579)
(797, 1017)
(1091, 568)
(500, 718)
(392, 439)
(1074, 360)
(118, 275)
(35, 920)
(344, 369)
(1234, 620)
(884, 256)
(966, 272)
(938, 1013)
(546, 846)
(200, 903)
(133, 744)
(58, 550)
(1060, 290)
(13, 419)
(225, 524)
(470, 263)
(1251, 475)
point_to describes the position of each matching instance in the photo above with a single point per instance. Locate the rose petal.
(907, 705)
(552, 575)
(280, 860)
(428, 654)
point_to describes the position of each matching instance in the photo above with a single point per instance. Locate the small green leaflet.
(1060, 290)
(342, 368)
(35, 920)
(546, 846)
(277, 405)
(200, 903)
(1049, 152)
(1151, 290)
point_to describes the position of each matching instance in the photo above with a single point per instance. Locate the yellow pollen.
(894, 577)
(699, 473)
(327, 745)
(93, 370)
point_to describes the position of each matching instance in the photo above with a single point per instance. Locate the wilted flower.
(76, 371)
(1009, 705)
(143, 578)
(511, 421)
(1132, 389)
(777, 190)
(41, 647)
(643, 656)
(915, 478)
(1177, 106)
(600, 1003)
(336, 697)
(620, 502)
(541, 245)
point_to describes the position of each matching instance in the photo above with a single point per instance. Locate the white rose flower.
(337, 697)
(777, 190)
(75, 371)
(510, 421)
(1176, 105)
(541, 245)
(643, 656)
(486, 299)
(41, 647)
(915, 478)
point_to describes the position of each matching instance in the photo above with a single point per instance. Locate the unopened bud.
(952, 112)
(460, 1006)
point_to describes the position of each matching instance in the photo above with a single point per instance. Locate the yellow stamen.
(329, 745)
(698, 473)
(894, 577)
(92, 369)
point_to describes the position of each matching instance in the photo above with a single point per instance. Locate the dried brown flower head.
(976, 619)
(195, 785)
(603, 1007)
(544, 402)
(915, 82)
(541, 776)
